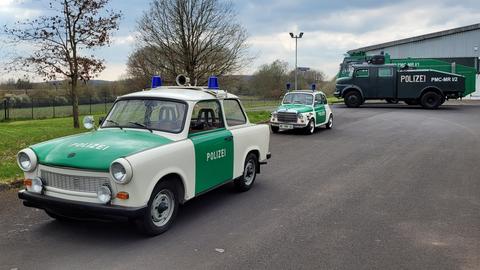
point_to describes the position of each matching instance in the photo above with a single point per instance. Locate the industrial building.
(458, 46)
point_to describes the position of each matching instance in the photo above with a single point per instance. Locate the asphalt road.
(390, 187)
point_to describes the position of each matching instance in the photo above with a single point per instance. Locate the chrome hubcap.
(249, 172)
(162, 207)
(312, 126)
(330, 122)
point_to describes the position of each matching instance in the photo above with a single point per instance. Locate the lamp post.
(296, 37)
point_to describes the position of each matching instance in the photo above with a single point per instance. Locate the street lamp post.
(296, 53)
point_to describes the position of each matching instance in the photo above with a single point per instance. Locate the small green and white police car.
(156, 149)
(302, 109)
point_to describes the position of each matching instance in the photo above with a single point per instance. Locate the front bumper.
(295, 125)
(79, 208)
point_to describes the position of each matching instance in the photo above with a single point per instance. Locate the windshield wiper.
(115, 123)
(141, 125)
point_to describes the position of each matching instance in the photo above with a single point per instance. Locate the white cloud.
(14, 9)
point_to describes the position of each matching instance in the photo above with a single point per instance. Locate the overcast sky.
(331, 27)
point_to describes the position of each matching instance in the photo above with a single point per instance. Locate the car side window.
(233, 113)
(385, 72)
(318, 99)
(324, 99)
(361, 73)
(206, 115)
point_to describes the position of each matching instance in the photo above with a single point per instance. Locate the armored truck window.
(161, 115)
(233, 113)
(206, 115)
(361, 73)
(385, 72)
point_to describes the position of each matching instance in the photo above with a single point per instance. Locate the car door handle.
(229, 138)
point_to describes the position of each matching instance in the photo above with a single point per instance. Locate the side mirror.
(89, 122)
(101, 120)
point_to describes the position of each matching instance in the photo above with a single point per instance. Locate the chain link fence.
(43, 108)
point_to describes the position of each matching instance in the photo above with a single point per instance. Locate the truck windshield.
(298, 98)
(161, 115)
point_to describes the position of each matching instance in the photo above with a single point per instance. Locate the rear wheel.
(431, 100)
(353, 99)
(245, 182)
(161, 210)
(329, 124)
(274, 129)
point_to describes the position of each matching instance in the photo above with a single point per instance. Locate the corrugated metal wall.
(456, 45)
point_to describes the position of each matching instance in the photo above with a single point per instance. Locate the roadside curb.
(11, 185)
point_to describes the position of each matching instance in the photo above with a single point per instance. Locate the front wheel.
(274, 129)
(310, 128)
(353, 99)
(245, 182)
(329, 124)
(161, 210)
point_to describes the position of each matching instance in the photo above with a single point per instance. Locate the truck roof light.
(156, 81)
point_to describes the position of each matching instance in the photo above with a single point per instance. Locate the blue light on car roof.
(314, 86)
(156, 81)
(213, 83)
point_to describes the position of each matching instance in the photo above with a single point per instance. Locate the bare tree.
(270, 79)
(196, 37)
(62, 41)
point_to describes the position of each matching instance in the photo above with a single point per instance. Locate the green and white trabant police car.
(302, 109)
(155, 149)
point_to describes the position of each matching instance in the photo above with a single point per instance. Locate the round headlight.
(27, 160)
(299, 115)
(37, 185)
(104, 194)
(121, 171)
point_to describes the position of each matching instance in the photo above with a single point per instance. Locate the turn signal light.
(27, 182)
(122, 195)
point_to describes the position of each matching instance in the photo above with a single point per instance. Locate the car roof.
(306, 92)
(181, 93)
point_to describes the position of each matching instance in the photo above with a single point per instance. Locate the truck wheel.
(391, 101)
(431, 100)
(274, 129)
(329, 124)
(245, 182)
(162, 209)
(353, 99)
(411, 102)
(310, 128)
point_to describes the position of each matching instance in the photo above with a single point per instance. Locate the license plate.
(282, 126)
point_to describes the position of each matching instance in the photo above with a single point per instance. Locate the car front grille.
(287, 117)
(73, 182)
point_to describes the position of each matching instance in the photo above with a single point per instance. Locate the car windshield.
(150, 114)
(298, 98)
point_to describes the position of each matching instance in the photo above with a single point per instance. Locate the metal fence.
(42, 108)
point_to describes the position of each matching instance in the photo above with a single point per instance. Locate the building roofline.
(417, 38)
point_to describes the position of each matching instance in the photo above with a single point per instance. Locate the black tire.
(431, 100)
(353, 99)
(310, 128)
(391, 101)
(164, 198)
(411, 102)
(274, 129)
(329, 124)
(250, 168)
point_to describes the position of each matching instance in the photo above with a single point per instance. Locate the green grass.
(20, 134)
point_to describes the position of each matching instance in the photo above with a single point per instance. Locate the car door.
(385, 83)
(213, 145)
(319, 107)
(363, 79)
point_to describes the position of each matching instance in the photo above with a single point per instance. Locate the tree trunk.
(76, 123)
